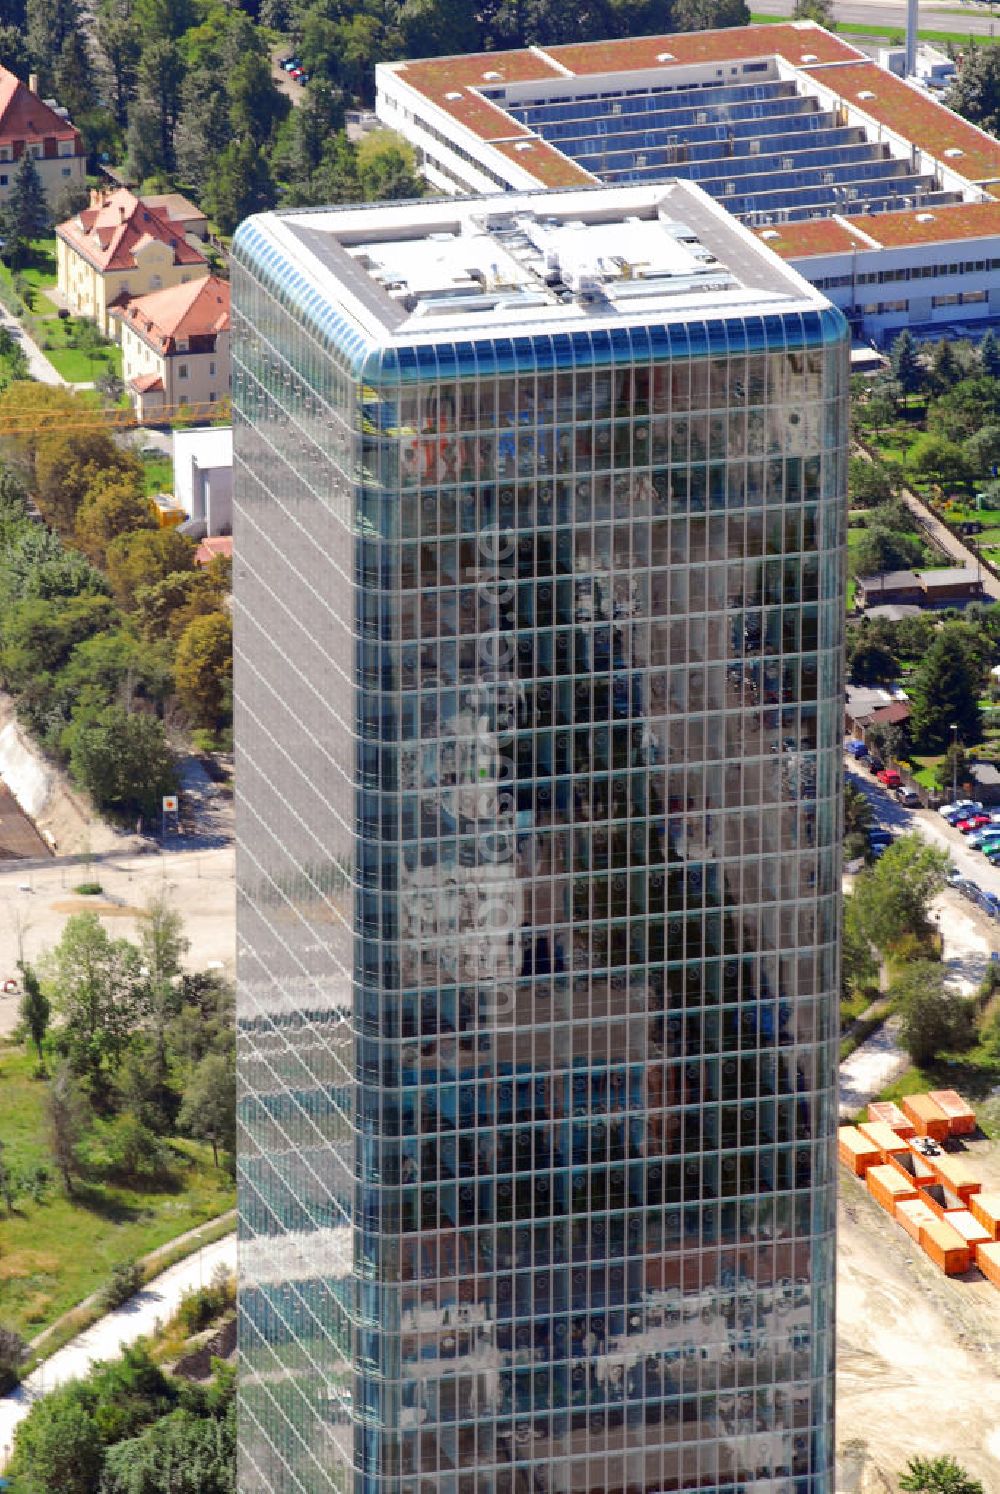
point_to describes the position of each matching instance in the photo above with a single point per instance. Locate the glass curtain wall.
(538, 904)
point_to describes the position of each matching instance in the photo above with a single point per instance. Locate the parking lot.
(974, 874)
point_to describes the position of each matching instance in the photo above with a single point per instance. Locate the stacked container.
(927, 1116)
(889, 1114)
(961, 1116)
(856, 1151)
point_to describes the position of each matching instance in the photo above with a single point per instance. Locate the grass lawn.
(974, 1074)
(924, 771)
(158, 474)
(56, 1252)
(83, 368)
(39, 272)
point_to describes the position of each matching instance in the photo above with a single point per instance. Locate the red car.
(890, 777)
(974, 822)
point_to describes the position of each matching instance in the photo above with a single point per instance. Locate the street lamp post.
(954, 762)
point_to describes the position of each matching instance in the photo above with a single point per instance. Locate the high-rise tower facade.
(539, 604)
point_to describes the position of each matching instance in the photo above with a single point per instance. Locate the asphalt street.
(928, 823)
(964, 19)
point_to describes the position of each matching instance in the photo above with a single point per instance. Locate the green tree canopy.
(122, 760)
(945, 692)
(203, 669)
(975, 91)
(179, 1454)
(99, 996)
(934, 458)
(907, 369)
(25, 214)
(932, 1016)
(59, 1446)
(893, 898)
(208, 1110)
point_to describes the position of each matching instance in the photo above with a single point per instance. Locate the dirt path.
(917, 1356)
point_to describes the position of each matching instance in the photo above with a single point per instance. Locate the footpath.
(105, 1339)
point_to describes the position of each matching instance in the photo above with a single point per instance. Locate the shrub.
(88, 889)
(126, 1149)
(125, 1281)
(199, 1308)
(13, 1352)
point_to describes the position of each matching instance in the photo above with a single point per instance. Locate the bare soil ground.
(35, 903)
(917, 1352)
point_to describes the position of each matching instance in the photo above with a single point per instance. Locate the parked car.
(855, 749)
(960, 808)
(908, 797)
(972, 822)
(953, 876)
(875, 766)
(880, 837)
(966, 887)
(891, 777)
(980, 840)
(989, 902)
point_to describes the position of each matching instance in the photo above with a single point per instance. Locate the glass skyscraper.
(539, 592)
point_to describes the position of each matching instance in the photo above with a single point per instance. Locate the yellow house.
(175, 347)
(118, 248)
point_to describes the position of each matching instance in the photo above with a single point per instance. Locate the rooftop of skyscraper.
(557, 259)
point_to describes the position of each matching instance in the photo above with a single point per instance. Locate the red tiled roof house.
(27, 123)
(120, 247)
(175, 346)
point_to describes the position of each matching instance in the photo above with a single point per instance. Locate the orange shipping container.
(888, 1187)
(856, 1151)
(986, 1208)
(969, 1228)
(928, 1117)
(912, 1213)
(961, 1116)
(889, 1114)
(945, 1246)
(988, 1261)
(884, 1137)
(956, 1175)
(913, 1166)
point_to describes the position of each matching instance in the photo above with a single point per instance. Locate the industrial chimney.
(911, 38)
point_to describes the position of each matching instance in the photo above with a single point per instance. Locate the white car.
(959, 810)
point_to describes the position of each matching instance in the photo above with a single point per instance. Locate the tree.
(13, 1352)
(8, 1185)
(67, 464)
(143, 558)
(59, 1446)
(893, 897)
(209, 1106)
(981, 450)
(820, 11)
(938, 1476)
(870, 661)
(859, 971)
(108, 510)
(239, 183)
(203, 669)
(945, 368)
(945, 692)
(387, 167)
(73, 75)
(936, 459)
(869, 483)
(989, 355)
(122, 760)
(69, 1116)
(100, 997)
(975, 91)
(708, 15)
(120, 44)
(25, 215)
(179, 1454)
(965, 409)
(906, 367)
(35, 1007)
(884, 549)
(69, 200)
(932, 1017)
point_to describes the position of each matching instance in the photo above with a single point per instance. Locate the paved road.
(105, 1340)
(964, 19)
(39, 366)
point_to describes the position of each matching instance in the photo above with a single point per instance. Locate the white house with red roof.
(120, 247)
(175, 346)
(28, 123)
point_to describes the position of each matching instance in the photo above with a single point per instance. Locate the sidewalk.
(39, 366)
(104, 1340)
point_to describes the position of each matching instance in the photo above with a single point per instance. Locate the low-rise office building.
(882, 197)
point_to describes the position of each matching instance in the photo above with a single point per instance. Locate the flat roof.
(938, 224)
(797, 42)
(920, 119)
(556, 260)
(209, 445)
(817, 236)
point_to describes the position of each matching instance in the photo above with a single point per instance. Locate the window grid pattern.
(538, 689)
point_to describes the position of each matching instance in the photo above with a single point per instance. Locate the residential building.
(179, 211)
(876, 192)
(175, 346)
(120, 248)
(875, 706)
(203, 478)
(43, 129)
(946, 586)
(539, 622)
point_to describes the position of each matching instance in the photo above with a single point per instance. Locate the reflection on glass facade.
(539, 702)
